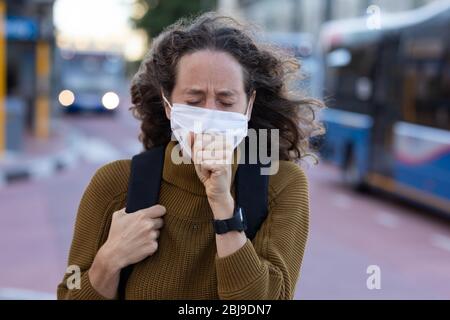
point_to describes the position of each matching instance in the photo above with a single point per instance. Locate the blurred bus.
(388, 90)
(91, 81)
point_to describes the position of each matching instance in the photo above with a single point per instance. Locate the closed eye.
(193, 102)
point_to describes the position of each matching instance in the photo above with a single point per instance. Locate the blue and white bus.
(388, 92)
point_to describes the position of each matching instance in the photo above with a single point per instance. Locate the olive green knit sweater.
(186, 265)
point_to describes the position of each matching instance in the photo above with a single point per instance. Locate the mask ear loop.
(248, 106)
(167, 101)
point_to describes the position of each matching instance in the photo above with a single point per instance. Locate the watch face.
(240, 214)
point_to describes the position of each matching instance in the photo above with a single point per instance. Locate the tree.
(162, 13)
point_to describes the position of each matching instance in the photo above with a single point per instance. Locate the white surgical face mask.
(185, 119)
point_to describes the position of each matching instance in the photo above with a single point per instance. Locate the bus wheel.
(351, 176)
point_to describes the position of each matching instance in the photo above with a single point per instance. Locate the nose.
(210, 103)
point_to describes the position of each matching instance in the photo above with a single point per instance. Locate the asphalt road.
(349, 231)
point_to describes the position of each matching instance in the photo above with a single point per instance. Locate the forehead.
(206, 68)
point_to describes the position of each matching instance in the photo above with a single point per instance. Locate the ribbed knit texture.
(186, 265)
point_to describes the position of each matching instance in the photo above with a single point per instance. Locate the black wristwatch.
(236, 223)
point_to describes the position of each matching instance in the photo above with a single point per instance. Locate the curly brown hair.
(267, 69)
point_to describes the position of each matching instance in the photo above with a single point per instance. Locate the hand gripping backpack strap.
(143, 192)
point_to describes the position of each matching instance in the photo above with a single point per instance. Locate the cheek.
(239, 106)
(242, 107)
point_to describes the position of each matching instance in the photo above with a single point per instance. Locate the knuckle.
(153, 246)
(150, 224)
(142, 217)
(159, 208)
(147, 211)
(154, 234)
(118, 212)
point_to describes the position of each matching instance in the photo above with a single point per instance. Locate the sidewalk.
(41, 158)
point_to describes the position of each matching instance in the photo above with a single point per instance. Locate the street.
(349, 231)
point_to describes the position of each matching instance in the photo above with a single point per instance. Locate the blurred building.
(308, 15)
(27, 44)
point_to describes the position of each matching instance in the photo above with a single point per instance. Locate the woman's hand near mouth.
(212, 158)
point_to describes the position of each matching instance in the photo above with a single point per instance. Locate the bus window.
(426, 99)
(348, 77)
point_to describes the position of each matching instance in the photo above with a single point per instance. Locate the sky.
(96, 22)
(92, 17)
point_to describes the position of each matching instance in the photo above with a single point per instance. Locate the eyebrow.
(193, 91)
(226, 93)
(223, 93)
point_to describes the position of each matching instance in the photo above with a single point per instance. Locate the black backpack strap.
(252, 195)
(143, 192)
(145, 179)
(251, 188)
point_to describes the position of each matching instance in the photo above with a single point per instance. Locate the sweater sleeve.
(94, 214)
(269, 267)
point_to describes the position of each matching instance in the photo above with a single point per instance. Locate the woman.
(214, 66)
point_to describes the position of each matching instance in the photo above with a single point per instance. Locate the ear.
(251, 101)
